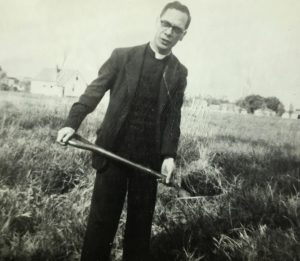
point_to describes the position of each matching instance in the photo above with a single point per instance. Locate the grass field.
(246, 169)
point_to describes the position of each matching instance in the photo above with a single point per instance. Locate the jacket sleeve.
(94, 92)
(171, 132)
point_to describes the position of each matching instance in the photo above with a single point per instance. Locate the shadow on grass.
(274, 167)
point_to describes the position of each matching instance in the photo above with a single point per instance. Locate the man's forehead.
(176, 17)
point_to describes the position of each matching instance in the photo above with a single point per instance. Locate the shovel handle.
(81, 143)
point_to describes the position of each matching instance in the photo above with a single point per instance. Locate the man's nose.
(168, 31)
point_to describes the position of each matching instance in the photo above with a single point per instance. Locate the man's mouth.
(165, 42)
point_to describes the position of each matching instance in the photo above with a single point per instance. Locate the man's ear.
(182, 36)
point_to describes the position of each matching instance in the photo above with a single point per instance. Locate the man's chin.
(164, 49)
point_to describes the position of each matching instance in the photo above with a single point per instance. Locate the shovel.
(82, 143)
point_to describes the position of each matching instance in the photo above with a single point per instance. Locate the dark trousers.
(111, 186)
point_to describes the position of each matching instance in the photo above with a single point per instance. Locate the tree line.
(254, 102)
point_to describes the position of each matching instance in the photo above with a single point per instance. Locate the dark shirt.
(136, 140)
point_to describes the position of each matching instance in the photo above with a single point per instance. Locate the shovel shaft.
(81, 143)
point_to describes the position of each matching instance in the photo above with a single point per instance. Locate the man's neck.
(158, 55)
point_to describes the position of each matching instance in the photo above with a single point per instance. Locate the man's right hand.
(64, 134)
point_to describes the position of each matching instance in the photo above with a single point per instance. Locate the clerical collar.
(158, 55)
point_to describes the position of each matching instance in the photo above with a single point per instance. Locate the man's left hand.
(168, 168)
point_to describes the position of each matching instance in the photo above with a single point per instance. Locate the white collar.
(158, 55)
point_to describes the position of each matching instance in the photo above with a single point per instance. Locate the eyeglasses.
(166, 25)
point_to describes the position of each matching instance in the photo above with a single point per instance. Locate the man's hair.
(180, 7)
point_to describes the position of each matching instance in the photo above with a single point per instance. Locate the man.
(146, 85)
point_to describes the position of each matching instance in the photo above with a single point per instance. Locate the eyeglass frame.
(166, 25)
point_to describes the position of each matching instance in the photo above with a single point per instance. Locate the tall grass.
(244, 172)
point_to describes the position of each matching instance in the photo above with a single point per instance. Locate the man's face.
(170, 29)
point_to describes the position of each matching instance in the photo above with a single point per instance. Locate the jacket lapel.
(167, 84)
(133, 70)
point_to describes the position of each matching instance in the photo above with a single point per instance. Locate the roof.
(51, 75)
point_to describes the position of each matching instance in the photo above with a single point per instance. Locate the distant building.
(243, 111)
(55, 82)
(288, 115)
(214, 107)
(13, 83)
(4, 80)
(227, 108)
(25, 84)
(294, 115)
(264, 112)
(230, 108)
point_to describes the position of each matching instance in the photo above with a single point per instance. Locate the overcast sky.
(233, 47)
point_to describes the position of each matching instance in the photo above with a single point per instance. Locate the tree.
(251, 103)
(274, 104)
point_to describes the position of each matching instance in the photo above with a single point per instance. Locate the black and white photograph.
(156, 130)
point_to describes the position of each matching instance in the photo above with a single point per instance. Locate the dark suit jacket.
(120, 74)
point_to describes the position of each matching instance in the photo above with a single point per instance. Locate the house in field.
(56, 82)
(243, 111)
(214, 107)
(230, 108)
(297, 112)
(13, 83)
(264, 112)
(25, 85)
(293, 115)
